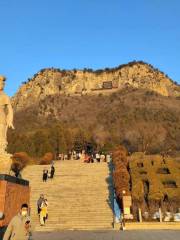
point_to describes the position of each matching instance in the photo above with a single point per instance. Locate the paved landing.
(110, 235)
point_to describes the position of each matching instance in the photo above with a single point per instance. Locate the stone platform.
(13, 193)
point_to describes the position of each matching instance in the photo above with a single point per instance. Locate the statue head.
(2, 82)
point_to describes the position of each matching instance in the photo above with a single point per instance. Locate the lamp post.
(123, 219)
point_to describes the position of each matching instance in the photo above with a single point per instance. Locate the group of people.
(47, 174)
(42, 209)
(85, 156)
(96, 157)
(19, 227)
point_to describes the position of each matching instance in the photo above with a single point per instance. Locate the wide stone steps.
(63, 227)
(80, 196)
(75, 221)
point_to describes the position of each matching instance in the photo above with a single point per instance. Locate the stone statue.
(6, 121)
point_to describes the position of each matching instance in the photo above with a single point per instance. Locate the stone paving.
(110, 235)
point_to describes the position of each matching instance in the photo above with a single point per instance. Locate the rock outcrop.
(81, 82)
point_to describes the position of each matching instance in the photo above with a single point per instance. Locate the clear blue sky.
(87, 33)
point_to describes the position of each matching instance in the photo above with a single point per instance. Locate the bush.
(47, 159)
(121, 175)
(19, 161)
(120, 156)
(155, 170)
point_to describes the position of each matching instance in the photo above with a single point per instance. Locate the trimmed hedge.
(121, 175)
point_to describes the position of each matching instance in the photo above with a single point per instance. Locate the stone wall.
(12, 196)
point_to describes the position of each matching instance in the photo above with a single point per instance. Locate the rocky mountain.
(48, 82)
(133, 104)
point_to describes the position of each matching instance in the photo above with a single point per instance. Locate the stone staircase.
(80, 196)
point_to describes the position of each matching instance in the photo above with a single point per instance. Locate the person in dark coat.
(39, 202)
(52, 171)
(45, 175)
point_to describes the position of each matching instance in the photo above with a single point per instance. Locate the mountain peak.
(53, 81)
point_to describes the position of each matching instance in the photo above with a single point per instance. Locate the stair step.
(80, 196)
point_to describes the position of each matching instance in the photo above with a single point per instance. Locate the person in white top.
(97, 157)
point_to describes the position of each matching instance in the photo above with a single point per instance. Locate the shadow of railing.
(110, 183)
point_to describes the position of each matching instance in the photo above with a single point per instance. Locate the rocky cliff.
(52, 81)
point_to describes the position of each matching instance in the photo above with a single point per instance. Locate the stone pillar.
(140, 215)
(160, 215)
(127, 203)
(13, 193)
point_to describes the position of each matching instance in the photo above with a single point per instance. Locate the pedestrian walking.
(45, 175)
(39, 202)
(97, 157)
(87, 158)
(102, 157)
(19, 227)
(44, 212)
(52, 171)
(108, 158)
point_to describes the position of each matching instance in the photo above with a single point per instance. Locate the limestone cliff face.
(79, 82)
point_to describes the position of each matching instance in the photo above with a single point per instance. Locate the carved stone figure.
(6, 121)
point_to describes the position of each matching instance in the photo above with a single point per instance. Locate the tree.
(146, 136)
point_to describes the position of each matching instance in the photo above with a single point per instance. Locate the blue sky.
(95, 34)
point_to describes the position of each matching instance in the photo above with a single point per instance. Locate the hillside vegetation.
(141, 120)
